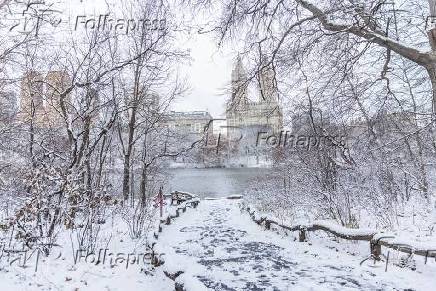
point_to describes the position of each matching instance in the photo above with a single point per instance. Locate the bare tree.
(366, 67)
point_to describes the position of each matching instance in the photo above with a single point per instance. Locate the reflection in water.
(214, 182)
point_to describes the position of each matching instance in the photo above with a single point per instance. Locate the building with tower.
(242, 113)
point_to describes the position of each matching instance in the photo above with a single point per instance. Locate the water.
(214, 182)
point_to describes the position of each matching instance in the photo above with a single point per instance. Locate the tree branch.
(376, 37)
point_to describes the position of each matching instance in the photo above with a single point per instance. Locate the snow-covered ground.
(61, 276)
(219, 247)
(119, 263)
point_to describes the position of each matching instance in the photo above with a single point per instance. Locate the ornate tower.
(268, 105)
(267, 85)
(237, 106)
(239, 84)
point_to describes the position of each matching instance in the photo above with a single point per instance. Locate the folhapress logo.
(287, 139)
(105, 22)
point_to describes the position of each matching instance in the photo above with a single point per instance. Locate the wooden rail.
(376, 239)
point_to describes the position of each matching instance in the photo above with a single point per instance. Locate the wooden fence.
(376, 239)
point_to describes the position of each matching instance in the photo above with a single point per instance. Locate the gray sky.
(208, 73)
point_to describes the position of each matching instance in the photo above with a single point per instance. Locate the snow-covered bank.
(234, 165)
(117, 262)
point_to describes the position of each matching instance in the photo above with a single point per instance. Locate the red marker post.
(159, 201)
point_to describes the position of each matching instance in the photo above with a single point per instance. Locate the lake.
(214, 182)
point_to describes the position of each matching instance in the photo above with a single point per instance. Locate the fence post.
(375, 250)
(161, 201)
(387, 262)
(302, 234)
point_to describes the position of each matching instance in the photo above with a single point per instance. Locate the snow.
(343, 230)
(225, 250)
(190, 283)
(217, 247)
(64, 270)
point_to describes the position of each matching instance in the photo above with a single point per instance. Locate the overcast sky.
(209, 75)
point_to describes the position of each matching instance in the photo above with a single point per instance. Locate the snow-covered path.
(225, 250)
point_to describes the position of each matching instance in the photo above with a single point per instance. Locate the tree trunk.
(431, 69)
(32, 134)
(143, 189)
(101, 161)
(144, 186)
(432, 73)
(126, 177)
(127, 156)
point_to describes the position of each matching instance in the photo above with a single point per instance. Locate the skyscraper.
(40, 98)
